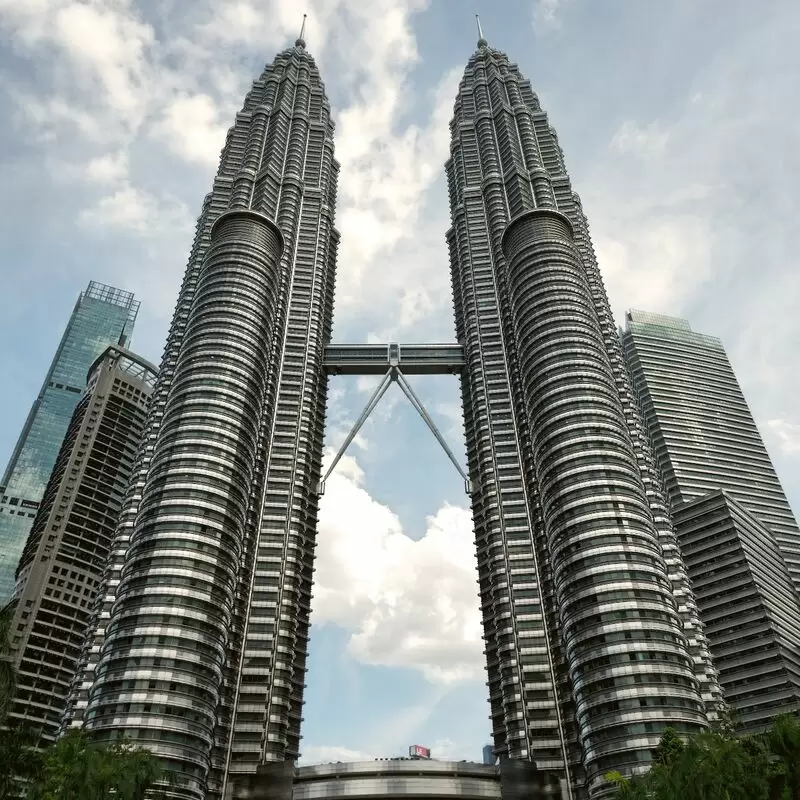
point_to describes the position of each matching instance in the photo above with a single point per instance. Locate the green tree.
(7, 676)
(715, 765)
(19, 761)
(782, 741)
(75, 767)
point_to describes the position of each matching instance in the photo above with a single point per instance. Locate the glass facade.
(102, 316)
(384, 778)
(221, 516)
(591, 631)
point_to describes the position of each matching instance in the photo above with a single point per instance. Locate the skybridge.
(394, 362)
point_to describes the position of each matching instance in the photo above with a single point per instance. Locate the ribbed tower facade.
(199, 639)
(591, 631)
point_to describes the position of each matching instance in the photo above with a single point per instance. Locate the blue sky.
(680, 129)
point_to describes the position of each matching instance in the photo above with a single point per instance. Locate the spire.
(481, 41)
(300, 41)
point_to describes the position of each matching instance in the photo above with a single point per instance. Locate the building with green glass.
(102, 316)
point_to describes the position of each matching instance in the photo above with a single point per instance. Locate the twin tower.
(592, 637)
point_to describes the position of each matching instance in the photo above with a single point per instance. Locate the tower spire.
(481, 41)
(300, 41)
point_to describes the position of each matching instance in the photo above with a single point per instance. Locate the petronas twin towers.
(200, 634)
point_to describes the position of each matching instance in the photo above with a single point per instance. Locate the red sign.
(418, 751)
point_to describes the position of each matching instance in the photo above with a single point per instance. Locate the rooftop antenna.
(300, 41)
(481, 41)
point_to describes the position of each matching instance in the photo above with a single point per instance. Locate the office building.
(748, 604)
(737, 533)
(592, 637)
(102, 316)
(68, 546)
(703, 434)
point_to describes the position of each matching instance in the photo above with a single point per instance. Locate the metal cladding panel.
(398, 778)
(529, 703)
(749, 606)
(166, 643)
(583, 591)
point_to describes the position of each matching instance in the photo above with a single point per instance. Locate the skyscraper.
(748, 604)
(736, 530)
(68, 546)
(589, 654)
(204, 657)
(592, 637)
(102, 316)
(703, 433)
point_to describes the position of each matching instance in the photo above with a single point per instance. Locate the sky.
(679, 125)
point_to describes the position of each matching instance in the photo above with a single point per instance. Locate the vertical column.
(158, 680)
(619, 621)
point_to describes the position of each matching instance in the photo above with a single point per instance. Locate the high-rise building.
(748, 604)
(592, 636)
(68, 546)
(737, 534)
(704, 436)
(204, 659)
(102, 316)
(591, 632)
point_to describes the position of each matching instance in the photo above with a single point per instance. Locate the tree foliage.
(75, 767)
(716, 765)
(7, 675)
(20, 761)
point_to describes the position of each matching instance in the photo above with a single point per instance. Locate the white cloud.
(788, 435)
(329, 754)
(48, 118)
(107, 45)
(409, 603)
(386, 171)
(97, 55)
(446, 749)
(113, 76)
(192, 128)
(656, 265)
(110, 168)
(133, 210)
(646, 141)
(545, 14)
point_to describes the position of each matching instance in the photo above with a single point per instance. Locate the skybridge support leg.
(417, 403)
(380, 391)
(394, 374)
